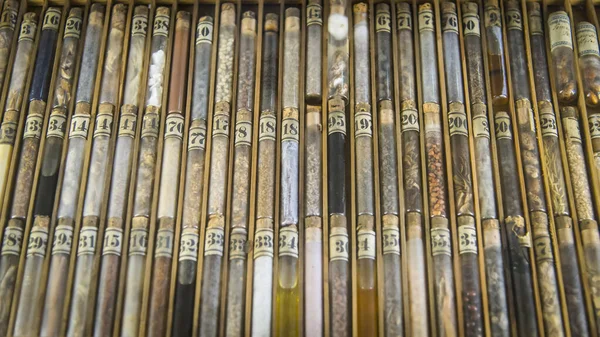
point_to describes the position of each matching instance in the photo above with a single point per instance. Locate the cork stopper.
(206, 18)
(511, 4)
(383, 8)
(534, 8)
(272, 22)
(11, 5)
(337, 7)
(162, 10)
(249, 22)
(448, 7)
(97, 14)
(31, 16)
(292, 19)
(76, 12)
(425, 7)
(470, 8)
(360, 12)
(228, 14)
(141, 10)
(183, 20)
(119, 13)
(403, 7)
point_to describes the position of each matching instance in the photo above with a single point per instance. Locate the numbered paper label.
(57, 126)
(288, 242)
(543, 249)
(161, 25)
(38, 242)
(220, 125)
(164, 243)
(113, 241)
(314, 15)
(571, 127)
(391, 241)
(188, 249)
(204, 32)
(594, 121)
(9, 17)
(535, 24)
(63, 240)
(450, 22)
(457, 121)
(197, 138)
(383, 21)
(33, 126)
(492, 17)
(174, 126)
(150, 125)
(51, 19)
(11, 243)
(28, 29)
(363, 125)
(80, 125)
(215, 239)
(73, 27)
(103, 125)
(290, 130)
(127, 125)
(88, 238)
(587, 39)
(481, 126)
(139, 25)
(237, 244)
(336, 122)
(502, 128)
(560, 30)
(243, 133)
(426, 20)
(513, 19)
(467, 240)
(441, 242)
(548, 123)
(403, 21)
(263, 242)
(8, 132)
(410, 120)
(338, 247)
(138, 242)
(267, 128)
(366, 245)
(471, 25)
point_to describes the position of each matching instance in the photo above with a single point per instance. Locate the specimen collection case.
(197, 9)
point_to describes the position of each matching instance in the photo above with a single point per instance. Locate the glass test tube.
(413, 187)
(80, 313)
(242, 162)
(313, 178)
(440, 228)
(144, 176)
(363, 140)
(215, 231)
(339, 250)
(530, 157)
(78, 131)
(169, 179)
(27, 317)
(117, 202)
(26, 163)
(12, 108)
(492, 236)
(461, 173)
(194, 182)
(287, 306)
(265, 198)
(8, 22)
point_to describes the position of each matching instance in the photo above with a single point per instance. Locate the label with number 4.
(288, 242)
(366, 244)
